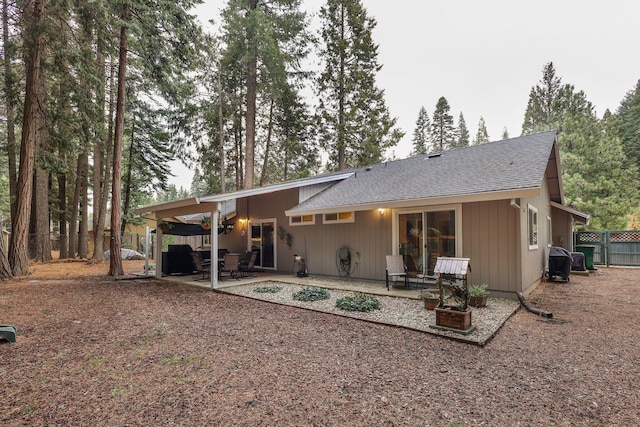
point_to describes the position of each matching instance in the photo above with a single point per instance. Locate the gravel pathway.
(397, 311)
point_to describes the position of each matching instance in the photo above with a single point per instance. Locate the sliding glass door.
(425, 236)
(263, 242)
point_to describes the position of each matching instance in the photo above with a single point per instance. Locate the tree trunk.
(83, 226)
(127, 180)
(103, 181)
(341, 97)
(267, 147)
(75, 209)
(9, 107)
(18, 257)
(62, 206)
(223, 177)
(252, 78)
(115, 260)
(5, 268)
(41, 238)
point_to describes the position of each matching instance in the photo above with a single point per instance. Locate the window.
(533, 227)
(338, 217)
(549, 234)
(302, 220)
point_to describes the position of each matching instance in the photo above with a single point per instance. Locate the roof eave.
(276, 187)
(176, 204)
(431, 201)
(580, 217)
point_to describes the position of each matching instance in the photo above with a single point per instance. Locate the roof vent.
(433, 155)
(368, 168)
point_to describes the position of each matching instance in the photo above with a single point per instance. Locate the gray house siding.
(534, 260)
(490, 239)
(368, 238)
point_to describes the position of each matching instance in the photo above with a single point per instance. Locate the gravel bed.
(397, 311)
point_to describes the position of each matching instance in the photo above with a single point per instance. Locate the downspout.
(534, 310)
(514, 204)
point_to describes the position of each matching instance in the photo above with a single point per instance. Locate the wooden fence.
(611, 247)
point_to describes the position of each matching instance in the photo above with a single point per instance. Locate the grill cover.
(559, 263)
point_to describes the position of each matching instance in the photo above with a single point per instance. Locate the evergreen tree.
(541, 113)
(505, 133)
(463, 132)
(442, 129)
(628, 118)
(265, 44)
(597, 177)
(482, 136)
(422, 133)
(550, 102)
(18, 246)
(355, 124)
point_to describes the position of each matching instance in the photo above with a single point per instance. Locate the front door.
(263, 242)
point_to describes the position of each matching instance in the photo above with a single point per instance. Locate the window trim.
(302, 220)
(533, 229)
(338, 220)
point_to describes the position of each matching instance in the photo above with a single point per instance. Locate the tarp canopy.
(181, 229)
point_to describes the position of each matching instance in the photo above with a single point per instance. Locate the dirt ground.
(95, 351)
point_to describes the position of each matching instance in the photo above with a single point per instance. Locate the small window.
(338, 217)
(549, 234)
(302, 220)
(533, 227)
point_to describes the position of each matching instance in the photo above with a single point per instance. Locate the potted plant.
(430, 299)
(165, 226)
(478, 295)
(206, 223)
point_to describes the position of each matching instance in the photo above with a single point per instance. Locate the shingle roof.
(508, 165)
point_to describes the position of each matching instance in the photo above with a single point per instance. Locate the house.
(499, 204)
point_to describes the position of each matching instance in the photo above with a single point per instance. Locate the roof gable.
(507, 166)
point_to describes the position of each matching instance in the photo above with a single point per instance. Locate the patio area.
(398, 307)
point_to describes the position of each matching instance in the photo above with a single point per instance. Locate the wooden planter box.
(453, 319)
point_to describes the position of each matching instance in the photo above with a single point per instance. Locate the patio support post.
(213, 237)
(158, 251)
(147, 241)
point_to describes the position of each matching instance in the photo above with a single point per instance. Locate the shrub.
(273, 289)
(311, 294)
(478, 290)
(358, 302)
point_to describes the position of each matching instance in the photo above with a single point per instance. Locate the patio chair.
(201, 265)
(247, 265)
(230, 265)
(396, 268)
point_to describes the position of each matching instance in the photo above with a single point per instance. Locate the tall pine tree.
(482, 136)
(598, 179)
(463, 132)
(355, 124)
(265, 43)
(442, 129)
(628, 115)
(421, 133)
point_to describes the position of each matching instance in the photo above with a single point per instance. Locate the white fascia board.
(273, 188)
(581, 215)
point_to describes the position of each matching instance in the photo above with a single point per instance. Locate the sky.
(485, 56)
